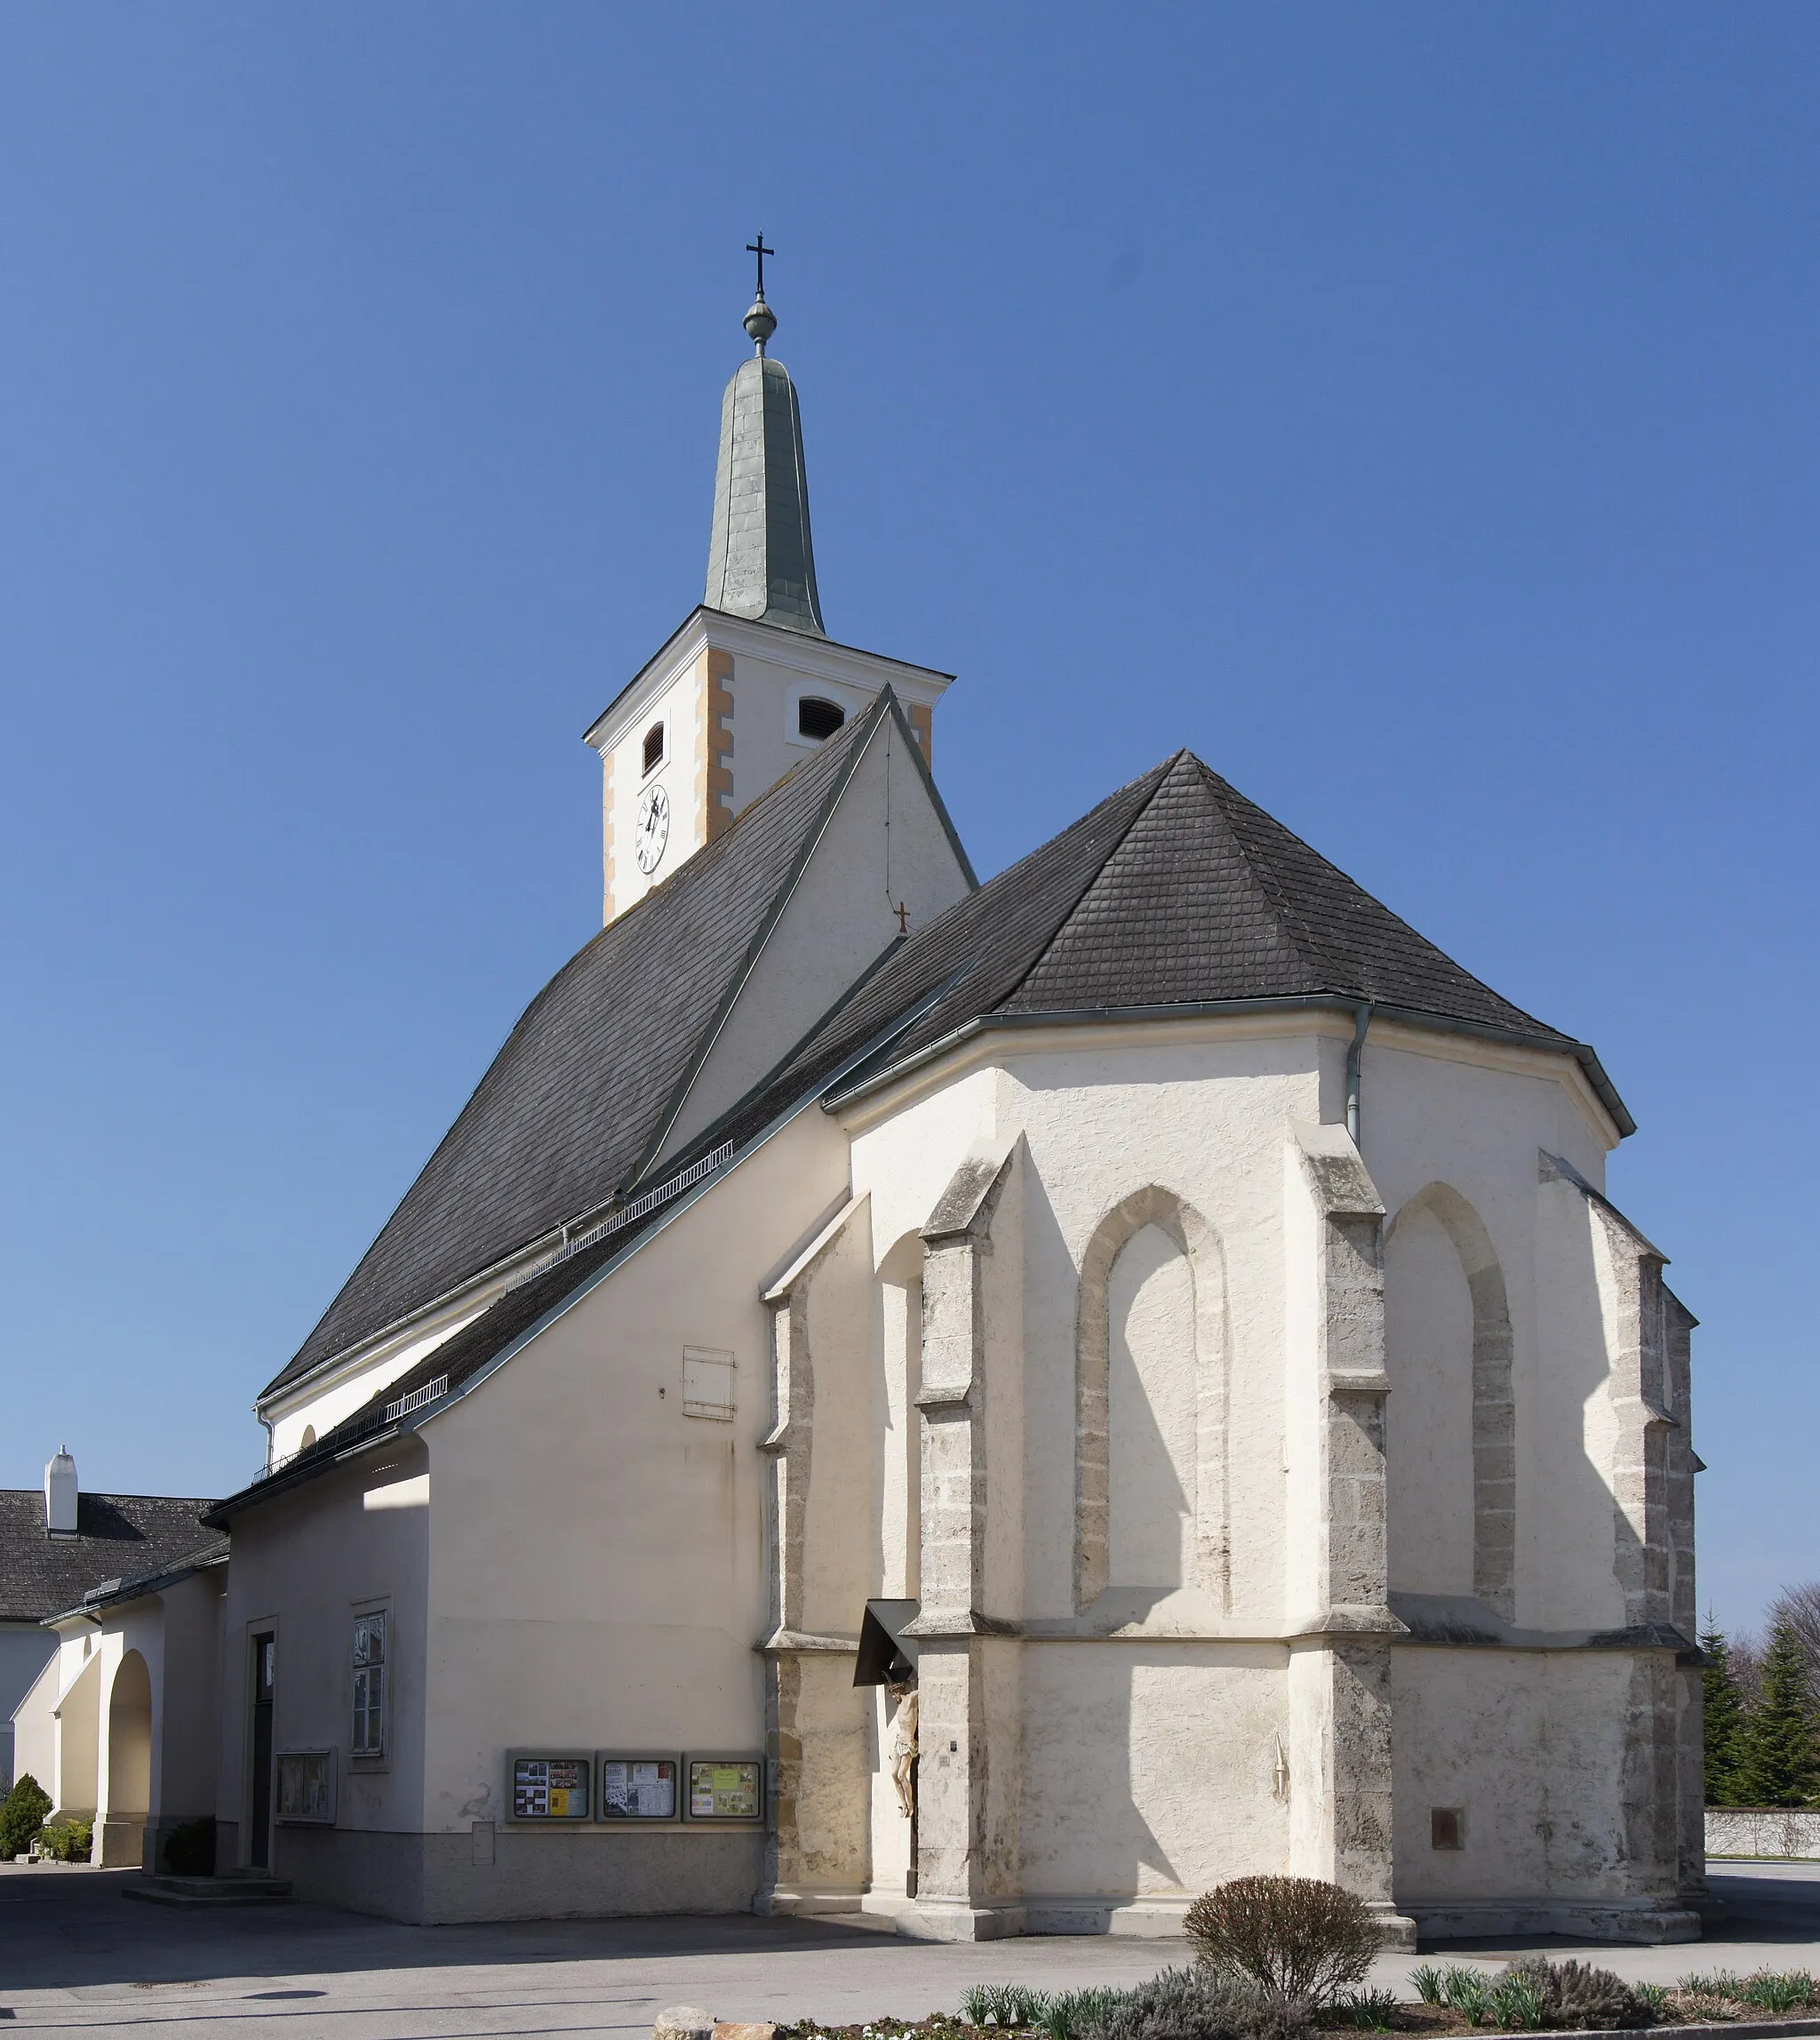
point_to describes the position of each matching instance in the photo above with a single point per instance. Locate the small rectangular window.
(707, 1383)
(368, 1737)
(1447, 1827)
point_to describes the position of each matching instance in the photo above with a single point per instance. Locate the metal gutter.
(1355, 1058)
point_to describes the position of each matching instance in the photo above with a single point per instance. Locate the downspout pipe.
(1362, 1020)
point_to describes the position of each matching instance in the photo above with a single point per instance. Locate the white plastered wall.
(1201, 1109)
(1529, 1747)
(305, 1564)
(883, 846)
(598, 1557)
(772, 670)
(1133, 1740)
(677, 705)
(25, 1648)
(34, 1728)
(1476, 1119)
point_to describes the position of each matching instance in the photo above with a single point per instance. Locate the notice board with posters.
(307, 1787)
(640, 1788)
(726, 1788)
(550, 1785)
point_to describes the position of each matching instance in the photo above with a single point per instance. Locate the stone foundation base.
(1145, 1919)
(792, 1901)
(934, 1921)
(1396, 1930)
(1648, 1921)
(1160, 1917)
(592, 1874)
(120, 1845)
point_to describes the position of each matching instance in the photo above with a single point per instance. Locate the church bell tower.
(750, 683)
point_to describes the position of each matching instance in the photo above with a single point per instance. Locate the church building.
(996, 1407)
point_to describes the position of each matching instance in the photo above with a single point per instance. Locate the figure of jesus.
(904, 1753)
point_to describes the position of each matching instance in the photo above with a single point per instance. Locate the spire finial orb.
(761, 322)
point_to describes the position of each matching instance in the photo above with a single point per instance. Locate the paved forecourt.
(74, 1958)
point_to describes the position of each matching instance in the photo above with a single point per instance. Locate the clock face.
(653, 829)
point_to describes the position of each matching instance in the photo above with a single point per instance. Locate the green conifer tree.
(1726, 1723)
(1781, 1765)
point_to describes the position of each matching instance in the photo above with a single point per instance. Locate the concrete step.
(235, 1888)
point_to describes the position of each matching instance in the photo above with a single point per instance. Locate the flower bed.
(1530, 1995)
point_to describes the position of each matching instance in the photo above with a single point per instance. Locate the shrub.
(1298, 1937)
(1192, 2004)
(1572, 1993)
(190, 1849)
(68, 1842)
(21, 1814)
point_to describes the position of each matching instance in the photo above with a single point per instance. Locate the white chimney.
(60, 1496)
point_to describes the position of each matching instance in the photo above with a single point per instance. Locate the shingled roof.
(117, 1537)
(1175, 892)
(566, 1113)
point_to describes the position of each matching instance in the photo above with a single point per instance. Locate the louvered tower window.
(653, 746)
(818, 718)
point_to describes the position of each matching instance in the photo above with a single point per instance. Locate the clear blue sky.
(1411, 408)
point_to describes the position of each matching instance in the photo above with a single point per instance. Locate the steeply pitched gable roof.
(567, 1112)
(1175, 890)
(118, 1537)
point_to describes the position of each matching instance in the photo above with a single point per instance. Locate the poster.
(306, 1785)
(725, 1788)
(550, 1788)
(638, 1789)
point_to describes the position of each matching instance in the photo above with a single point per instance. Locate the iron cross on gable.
(759, 249)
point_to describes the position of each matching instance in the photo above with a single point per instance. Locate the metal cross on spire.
(761, 322)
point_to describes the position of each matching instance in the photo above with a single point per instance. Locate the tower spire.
(760, 561)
